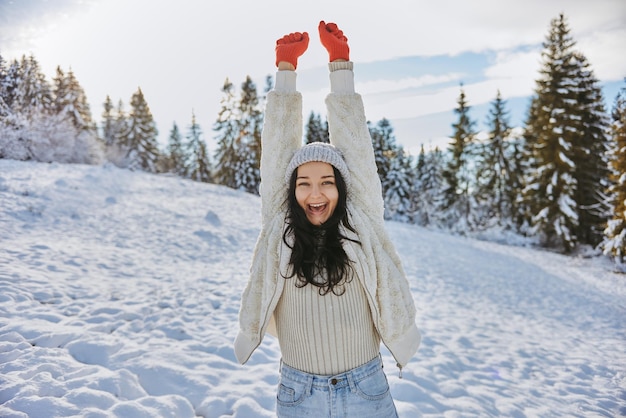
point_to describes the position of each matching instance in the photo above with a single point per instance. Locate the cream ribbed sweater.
(327, 334)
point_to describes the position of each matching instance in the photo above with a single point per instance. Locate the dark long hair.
(317, 254)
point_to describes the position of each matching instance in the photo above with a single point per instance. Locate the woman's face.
(316, 191)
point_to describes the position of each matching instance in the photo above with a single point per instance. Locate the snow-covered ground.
(119, 295)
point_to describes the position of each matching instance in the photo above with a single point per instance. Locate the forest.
(560, 178)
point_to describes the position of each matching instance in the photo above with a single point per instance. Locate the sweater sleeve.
(280, 139)
(349, 132)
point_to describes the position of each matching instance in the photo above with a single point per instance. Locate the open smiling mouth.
(317, 207)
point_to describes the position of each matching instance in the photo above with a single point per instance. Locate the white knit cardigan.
(383, 278)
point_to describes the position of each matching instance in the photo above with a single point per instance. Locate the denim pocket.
(373, 387)
(290, 393)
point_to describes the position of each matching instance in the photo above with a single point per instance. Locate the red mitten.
(334, 41)
(290, 47)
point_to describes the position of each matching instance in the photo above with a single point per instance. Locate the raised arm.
(282, 126)
(348, 125)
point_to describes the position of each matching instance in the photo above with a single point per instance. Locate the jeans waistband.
(332, 381)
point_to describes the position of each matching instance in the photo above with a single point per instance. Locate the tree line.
(560, 178)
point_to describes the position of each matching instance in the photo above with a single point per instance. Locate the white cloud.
(605, 52)
(418, 104)
(386, 85)
(514, 64)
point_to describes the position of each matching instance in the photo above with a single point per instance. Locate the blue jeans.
(361, 392)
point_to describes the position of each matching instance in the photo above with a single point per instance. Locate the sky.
(411, 57)
(120, 292)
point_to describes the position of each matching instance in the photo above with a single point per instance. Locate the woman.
(325, 277)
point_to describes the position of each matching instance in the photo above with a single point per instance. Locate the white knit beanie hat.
(319, 151)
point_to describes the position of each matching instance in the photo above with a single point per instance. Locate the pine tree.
(427, 193)
(10, 82)
(173, 161)
(250, 126)
(564, 145)
(456, 201)
(5, 109)
(108, 122)
(382, 142)
(316, 130)
(614, 243)
(497, 174)
(116, 146)
(32, 94)
(142, 135)
(175, 152)
(61, 90)
(394, 170)
(11, 145)
(36, 125)
(590, 153)
(416, 214)
(197, 166)
(70, 99)
(70, 103)
(227, 155)
(121, 126)
(516, 159)
(399, 183)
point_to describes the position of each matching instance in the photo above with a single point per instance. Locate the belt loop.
(309, 385)
(351, 382)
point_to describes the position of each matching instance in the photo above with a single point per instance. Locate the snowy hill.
(119, 295)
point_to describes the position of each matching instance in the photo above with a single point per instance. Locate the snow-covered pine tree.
(249, 149)
(174, 159)
(9, 82)
(614, 243)
(141, 138)
(116, 148)
(197, 165)
(590, 153)
(416, 214)
(457, 173)
(12, 146)
(6, 115)
(383, 149)
(70, 103)
(60, 89)
(226, 155)
(427, 194)
(316, 130)
(121, 126)
(399, 183)
(32, 93)
(108, 122)
(4, 106)
(497, 180)
(516, 156)
(74, 103)
(565, 116)
(394, 170)
(33, 127)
